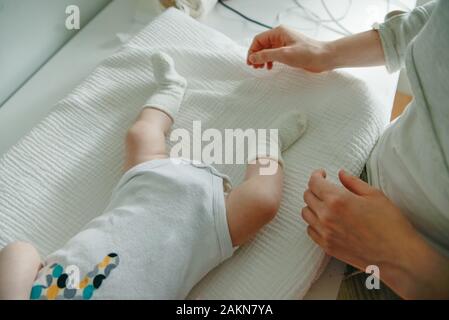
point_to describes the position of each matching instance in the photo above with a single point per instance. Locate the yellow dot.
(105, 262)
(84, 282)
(52, 292)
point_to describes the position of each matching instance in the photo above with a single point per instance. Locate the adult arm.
(386, 46)
(359, 225)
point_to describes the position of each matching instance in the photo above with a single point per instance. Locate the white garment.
(410, 161)
(171, 86)
(166, 222)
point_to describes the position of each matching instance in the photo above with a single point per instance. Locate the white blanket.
(60, 175)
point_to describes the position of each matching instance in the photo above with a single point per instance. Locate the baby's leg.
(145, 140)
(253, 203)
(256, 201)
(19, 265)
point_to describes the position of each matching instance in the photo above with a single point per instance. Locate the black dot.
(62, 280)
(98, 280)
(112, 255)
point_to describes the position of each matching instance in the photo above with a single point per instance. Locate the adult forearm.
(419, 272)
(359, 50)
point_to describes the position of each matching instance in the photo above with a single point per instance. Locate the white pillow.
(61, 174)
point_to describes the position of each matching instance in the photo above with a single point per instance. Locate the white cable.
(342, 30)
(314, 17)
(329, 13)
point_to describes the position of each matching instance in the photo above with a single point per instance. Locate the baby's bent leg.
(253, 203)
(146, 138)
(256, 201)
(19, 265)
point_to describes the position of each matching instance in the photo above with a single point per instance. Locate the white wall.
(31, 31)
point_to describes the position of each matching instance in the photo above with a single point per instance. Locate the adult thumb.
(264, 56)
(354, 184)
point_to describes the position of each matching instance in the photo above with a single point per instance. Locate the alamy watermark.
(236, 146)
(373, 280)
(73, 277)
(72, 21)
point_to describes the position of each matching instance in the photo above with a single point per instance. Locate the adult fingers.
(260, 42)
(321, 187)
(312, 201)
(354, 184)
(315, 236)
(311, 218)
(266, 55)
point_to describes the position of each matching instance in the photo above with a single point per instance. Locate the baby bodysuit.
(164, 229)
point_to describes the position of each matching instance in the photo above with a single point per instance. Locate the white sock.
(291, 126)
(171, 86)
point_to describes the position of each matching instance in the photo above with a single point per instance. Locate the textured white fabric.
(60, 175)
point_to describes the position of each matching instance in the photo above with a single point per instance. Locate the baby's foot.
(171, 86)
(291, 126)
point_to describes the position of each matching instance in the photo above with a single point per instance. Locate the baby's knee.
(21, 248)
(136, 133)
(268, 203)
(141, 130)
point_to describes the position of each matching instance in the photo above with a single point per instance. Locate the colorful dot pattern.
(56, 282)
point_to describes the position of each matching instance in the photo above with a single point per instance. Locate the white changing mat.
(61, 174)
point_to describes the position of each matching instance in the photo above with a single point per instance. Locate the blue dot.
(57, 271)
(36, 292)
(88, 292)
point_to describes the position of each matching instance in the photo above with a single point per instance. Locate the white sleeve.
(397, 32)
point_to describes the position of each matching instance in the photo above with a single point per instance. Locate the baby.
(169, 221)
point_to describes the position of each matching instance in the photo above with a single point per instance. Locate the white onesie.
(164, 229)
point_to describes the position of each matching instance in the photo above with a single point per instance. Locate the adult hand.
(355, 223)
(359, 225)
(296, 50)
(290, 47)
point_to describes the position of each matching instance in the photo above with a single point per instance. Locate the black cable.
(243, 16)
